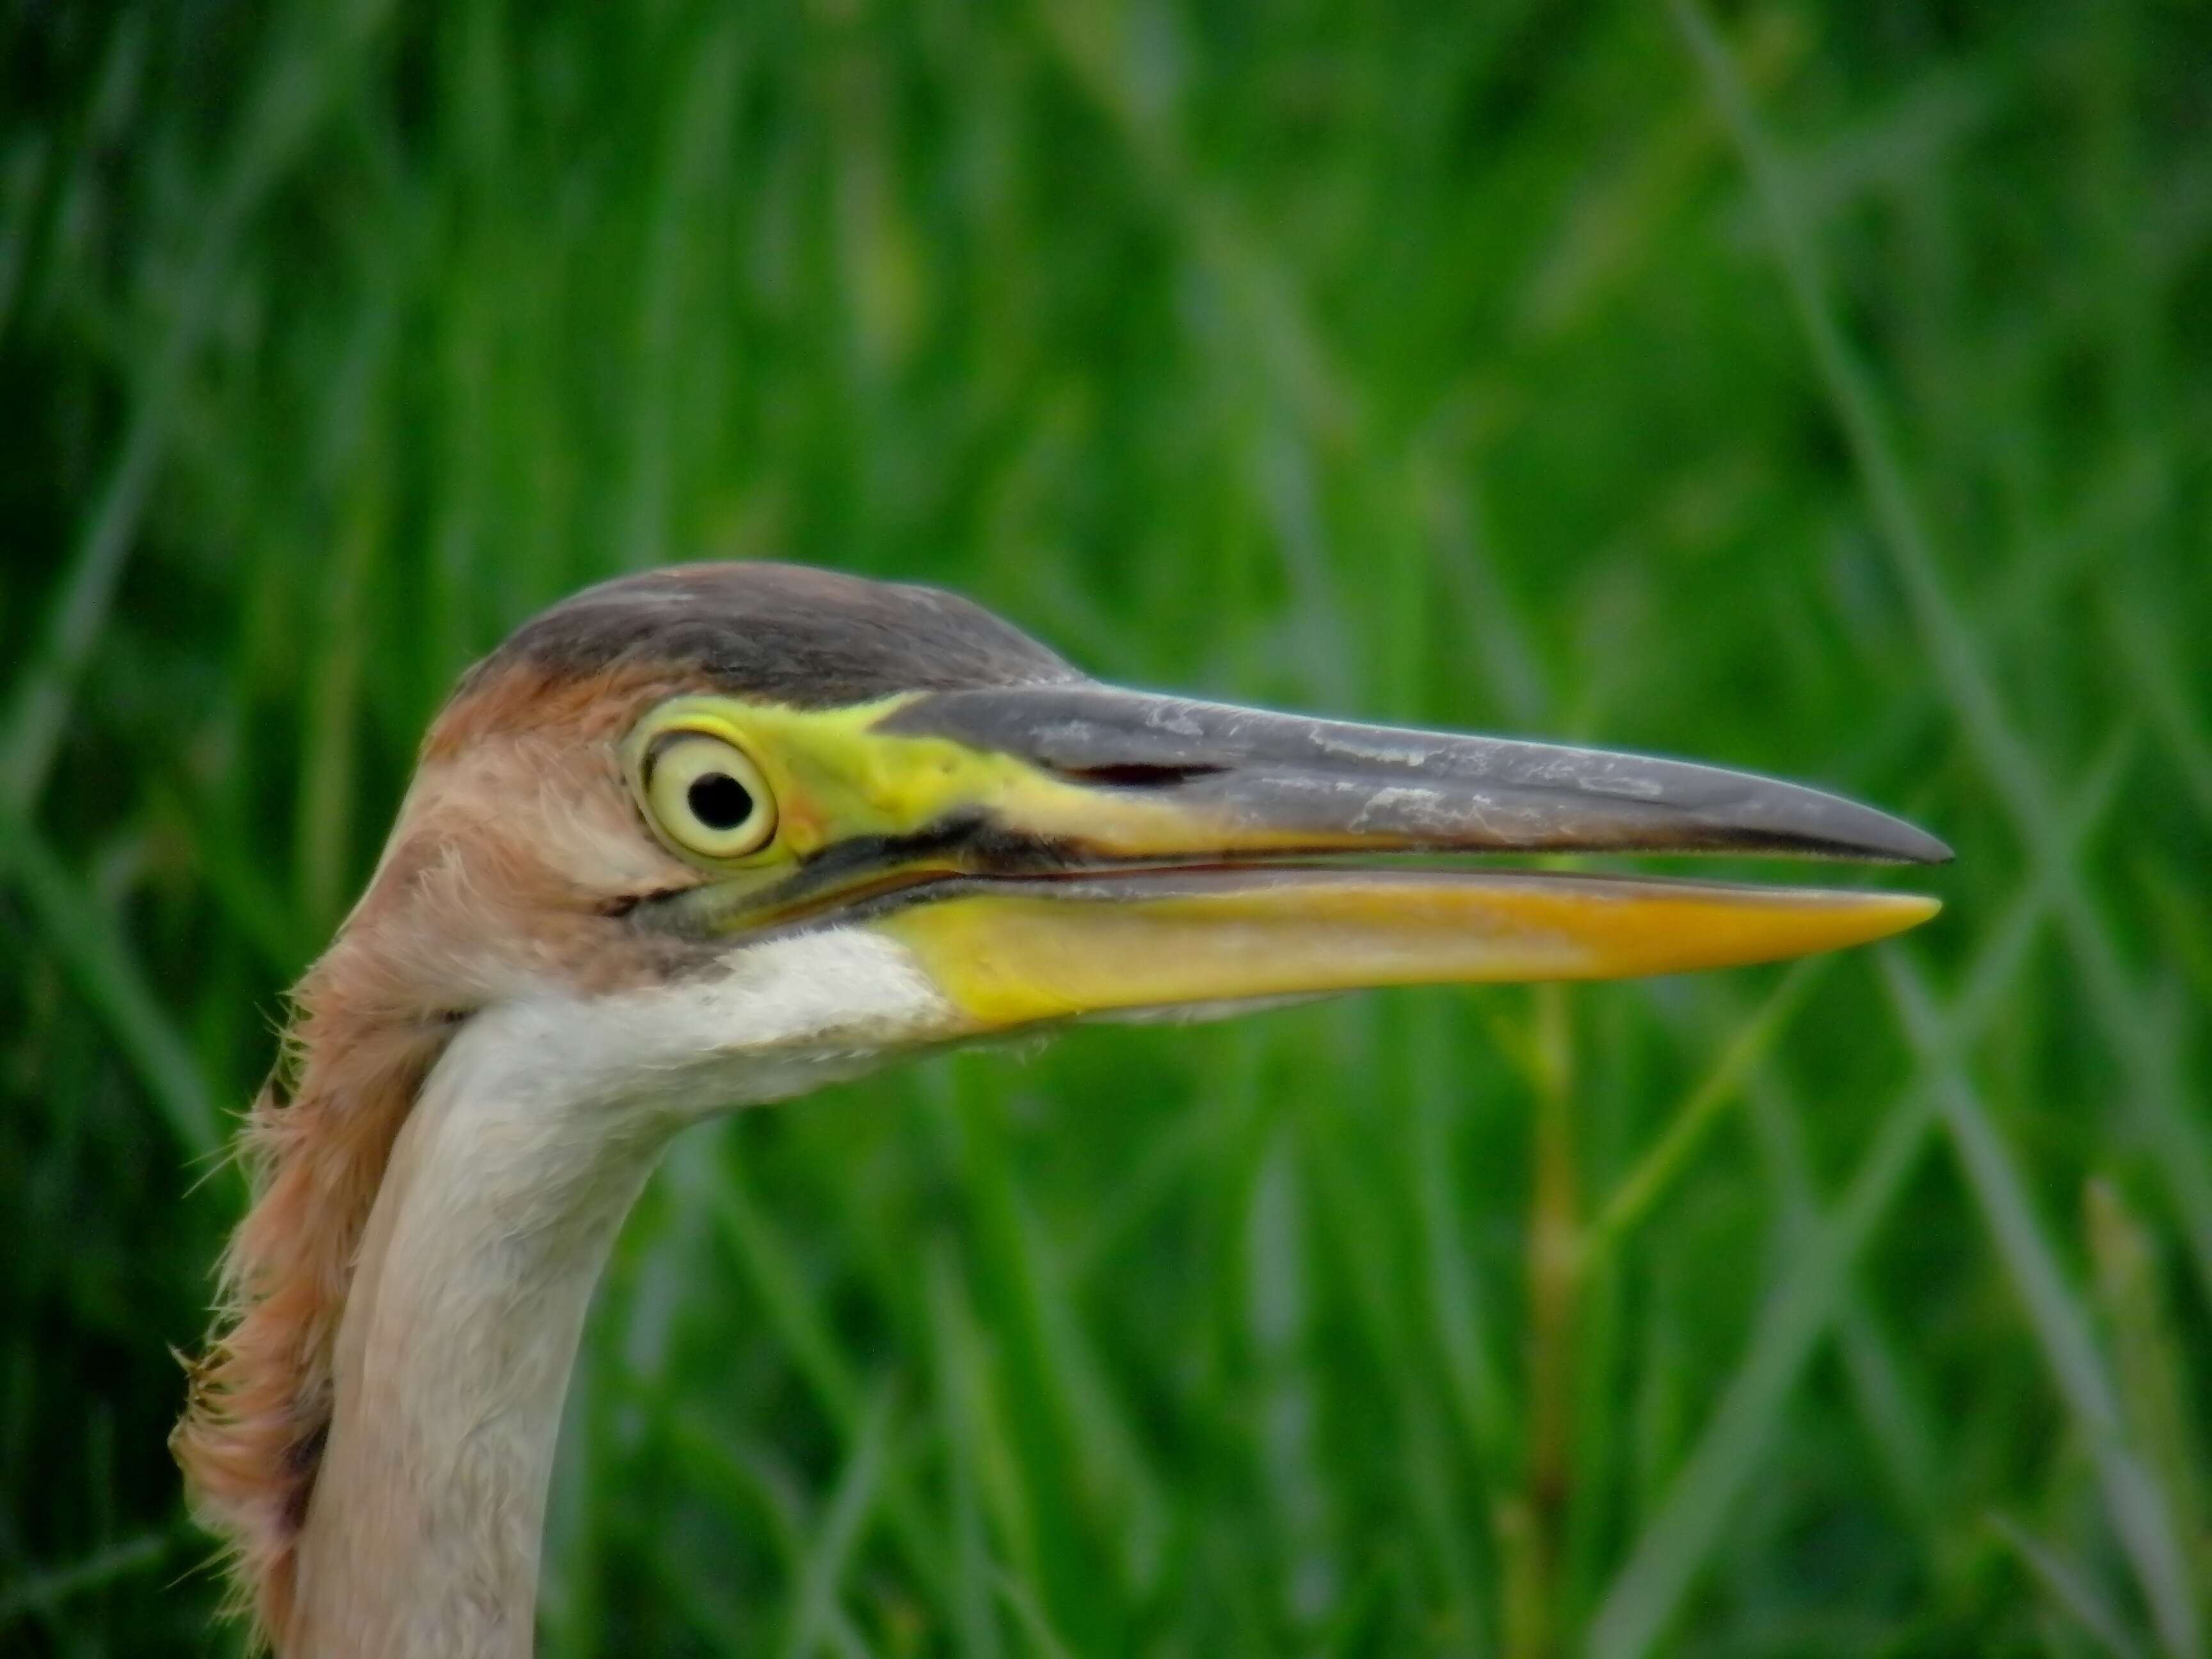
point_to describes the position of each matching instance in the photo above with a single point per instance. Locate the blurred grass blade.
(1044, 1640)
(2154, 1373)
(40, 1593)
(2068, 1581)
(2143, 644)
(961, 1405)
(2141, 1510)
(822, 1579)
(793, 1314)
(1754, 1038)
(110, 979)
(795, 1318)
(2155, 1093)
(1672, 1544)
(292, 92)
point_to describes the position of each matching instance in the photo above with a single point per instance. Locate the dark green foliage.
(1821, 389)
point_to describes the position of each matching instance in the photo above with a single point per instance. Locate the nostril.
(1140, 775)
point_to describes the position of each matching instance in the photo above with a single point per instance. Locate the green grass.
(1821, 389)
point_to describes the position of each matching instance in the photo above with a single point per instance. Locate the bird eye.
(707, 796)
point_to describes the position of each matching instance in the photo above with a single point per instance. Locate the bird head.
(777, 814)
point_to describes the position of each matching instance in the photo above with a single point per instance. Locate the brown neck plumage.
(252, 1437)
(472, 895)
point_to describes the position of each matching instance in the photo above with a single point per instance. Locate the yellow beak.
(1063, 951)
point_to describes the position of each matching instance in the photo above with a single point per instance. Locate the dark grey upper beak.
(1405, 788)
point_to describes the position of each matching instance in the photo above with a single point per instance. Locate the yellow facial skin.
(835, 778)
(1020, 949)
(831, 779)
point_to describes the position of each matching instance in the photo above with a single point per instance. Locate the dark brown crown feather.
(782, 633)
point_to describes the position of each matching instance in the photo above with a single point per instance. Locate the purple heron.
(716, 835)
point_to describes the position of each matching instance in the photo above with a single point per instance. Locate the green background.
(1821, 389)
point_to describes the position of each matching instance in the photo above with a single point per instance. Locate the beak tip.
(1899, 913)
(1932, 849)
(1919, 908)
(1864, 833)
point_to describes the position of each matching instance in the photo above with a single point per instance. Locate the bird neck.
(505, 1192)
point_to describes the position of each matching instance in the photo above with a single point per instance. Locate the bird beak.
(1116, 853)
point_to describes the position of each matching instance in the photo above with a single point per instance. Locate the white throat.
(505, 1188)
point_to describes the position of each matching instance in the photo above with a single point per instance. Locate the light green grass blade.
(293, 91)
(2069, 1585)
(1955, 655)
(2141, 1509)
(1674, 1543)
(1642, 1597)
(820, 1581)
(1754, 1038)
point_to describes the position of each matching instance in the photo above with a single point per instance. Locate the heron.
(718, 835)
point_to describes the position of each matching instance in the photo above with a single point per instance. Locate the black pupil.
(719, 800)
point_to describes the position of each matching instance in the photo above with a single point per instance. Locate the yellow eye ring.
(705, 795)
